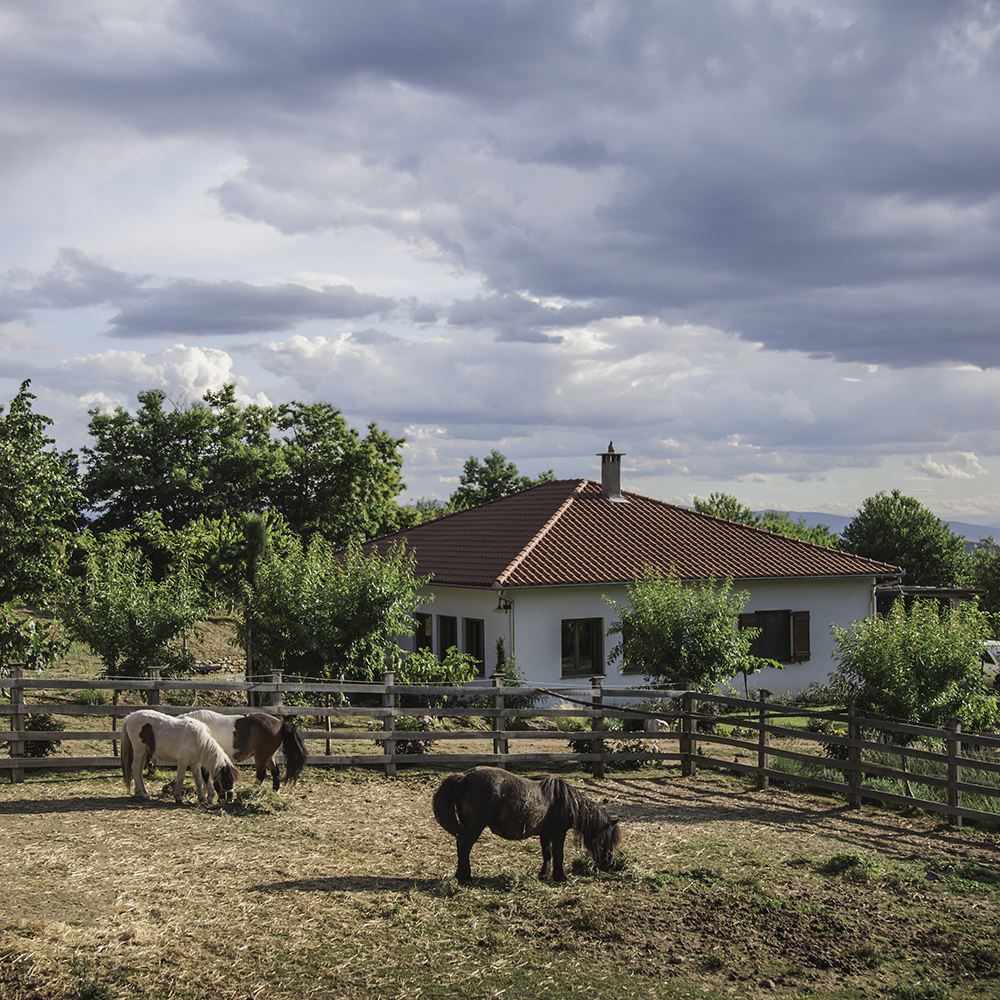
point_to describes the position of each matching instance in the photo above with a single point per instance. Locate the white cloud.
(18, 339)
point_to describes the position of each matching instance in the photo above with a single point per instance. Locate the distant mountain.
(837, 523)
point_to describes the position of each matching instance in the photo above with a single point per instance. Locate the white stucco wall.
(532, 628)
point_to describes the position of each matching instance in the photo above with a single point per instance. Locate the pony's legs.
(546, 858)
(139, 758)
(179, 780)
(206, 793)
(264, 764)
(465, 843)
(558, 843)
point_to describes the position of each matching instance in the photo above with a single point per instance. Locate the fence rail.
(851, 757)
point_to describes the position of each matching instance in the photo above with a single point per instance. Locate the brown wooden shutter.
(800, 636)
(749, 620)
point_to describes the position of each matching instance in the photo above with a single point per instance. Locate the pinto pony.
(517, 808)
(257, 735)
(148, 735)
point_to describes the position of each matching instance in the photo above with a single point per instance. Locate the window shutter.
(800, 636)
(750, 621)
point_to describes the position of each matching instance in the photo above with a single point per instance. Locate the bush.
(41, 724)
(920, 664)
(412, 724)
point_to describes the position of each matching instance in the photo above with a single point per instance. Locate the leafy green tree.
(29, 641)
(673, 631)
(481, 482)
(203, 460)
(216, 458)
(727, 506)
(39, 502)
(425, 667)
(983, 573)
(919, 664)
(320, 612)
(817, 534)
(337, 483)
(128, 619)
(897, 529)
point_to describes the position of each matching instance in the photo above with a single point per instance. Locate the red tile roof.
(564, 533)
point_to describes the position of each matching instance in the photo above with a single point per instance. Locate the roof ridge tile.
(541, 533)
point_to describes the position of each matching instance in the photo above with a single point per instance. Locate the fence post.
(499, 723)
(597, 725)
(763, 741)
(17, 720)
(853, 758)
(276, 693)
(689, 739)
(954, 744)
(389, 723)
(153, 674)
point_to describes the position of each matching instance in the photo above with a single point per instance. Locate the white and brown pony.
(186, 742)
(257, 735)
(516, 808)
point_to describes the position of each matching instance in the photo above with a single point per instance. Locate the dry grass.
(342, 887)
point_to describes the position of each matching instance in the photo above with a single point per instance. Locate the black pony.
(516, 808)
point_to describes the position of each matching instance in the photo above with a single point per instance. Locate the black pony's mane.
(590, 820)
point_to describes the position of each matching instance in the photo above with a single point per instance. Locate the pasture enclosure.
(342, 889)
(371, 725)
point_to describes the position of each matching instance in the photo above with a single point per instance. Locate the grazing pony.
(516, 808)
(149, 735)
(257, 735)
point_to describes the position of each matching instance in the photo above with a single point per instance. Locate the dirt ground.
(342, 887)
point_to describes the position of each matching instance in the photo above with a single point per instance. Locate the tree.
(983, 573)
(34, 643)
(39, 502)
(896, 529)
(481, 482)
(727, 506)
(204, 460)
(336, 483)
(816, 534)
(128, 619)
(322, 613)
(215, 458)
(673, 631)
(919, 664)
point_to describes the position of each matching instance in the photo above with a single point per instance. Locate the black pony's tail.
(295, 752)
(446, 804)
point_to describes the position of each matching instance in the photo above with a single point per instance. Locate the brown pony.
(257, 735)
(517, 808)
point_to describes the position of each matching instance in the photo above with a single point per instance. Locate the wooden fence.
(843, 753)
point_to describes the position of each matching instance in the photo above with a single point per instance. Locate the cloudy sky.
(754, 242)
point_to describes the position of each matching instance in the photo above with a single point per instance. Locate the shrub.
(412, 724)
(41, 724)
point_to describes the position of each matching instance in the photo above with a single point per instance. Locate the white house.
(535, 567)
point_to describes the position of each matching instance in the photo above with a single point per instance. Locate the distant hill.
(837, 523)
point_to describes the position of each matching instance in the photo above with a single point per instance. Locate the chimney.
(611, 475)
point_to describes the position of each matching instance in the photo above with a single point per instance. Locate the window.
(473, 642)
(447, 633)
(784, 635)
(583, 646)
(423, 638)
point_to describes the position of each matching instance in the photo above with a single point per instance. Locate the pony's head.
(603, 844)
(225, 780)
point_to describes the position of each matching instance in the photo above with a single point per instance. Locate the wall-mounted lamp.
(503, 606)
